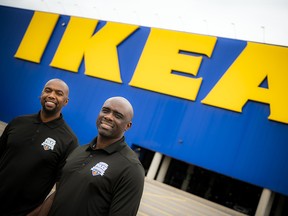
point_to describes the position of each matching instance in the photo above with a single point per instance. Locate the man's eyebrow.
(59, 90)
(113, 111)
(56, 90)
(118, 113)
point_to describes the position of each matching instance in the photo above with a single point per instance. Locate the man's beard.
(49, 112)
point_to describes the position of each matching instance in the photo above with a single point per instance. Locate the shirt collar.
(114, 147)
(51, 124)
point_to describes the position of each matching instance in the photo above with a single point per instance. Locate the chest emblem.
(99, 169)
(48, 144)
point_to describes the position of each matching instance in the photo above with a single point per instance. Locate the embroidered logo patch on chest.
(99, 169)
(48, 144)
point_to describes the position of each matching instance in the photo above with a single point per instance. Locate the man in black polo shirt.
(105, 176)
(33, 150)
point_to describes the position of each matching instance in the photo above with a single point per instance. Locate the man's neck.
(47, 118)
(103, 142)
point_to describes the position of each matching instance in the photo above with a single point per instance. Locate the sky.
(263, 21)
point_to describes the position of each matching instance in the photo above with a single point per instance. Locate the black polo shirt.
(32, 155)
(100, 182)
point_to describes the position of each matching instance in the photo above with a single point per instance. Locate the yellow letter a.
(241, 81)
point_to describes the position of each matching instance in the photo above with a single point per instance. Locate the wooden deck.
(163, 200)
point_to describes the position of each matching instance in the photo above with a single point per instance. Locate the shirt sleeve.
(128, 192)
(70, 147)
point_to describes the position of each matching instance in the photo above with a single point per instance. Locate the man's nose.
(108, 116)
(51, 94)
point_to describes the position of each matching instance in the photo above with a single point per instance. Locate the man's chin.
(49, 111)
(104, 133)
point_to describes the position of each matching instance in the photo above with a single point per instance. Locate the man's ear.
(66, 101)
(128, 126)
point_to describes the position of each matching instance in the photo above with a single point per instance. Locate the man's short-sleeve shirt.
(32, 155)
(100, 182)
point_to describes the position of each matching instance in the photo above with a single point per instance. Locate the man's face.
(114, 119)
(54, 96)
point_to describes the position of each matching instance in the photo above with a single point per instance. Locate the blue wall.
(246, 145)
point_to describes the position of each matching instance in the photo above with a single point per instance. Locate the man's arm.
(3, 140)
(128, 193)
(44, 208)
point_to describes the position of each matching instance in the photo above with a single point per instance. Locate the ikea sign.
(213, 102)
